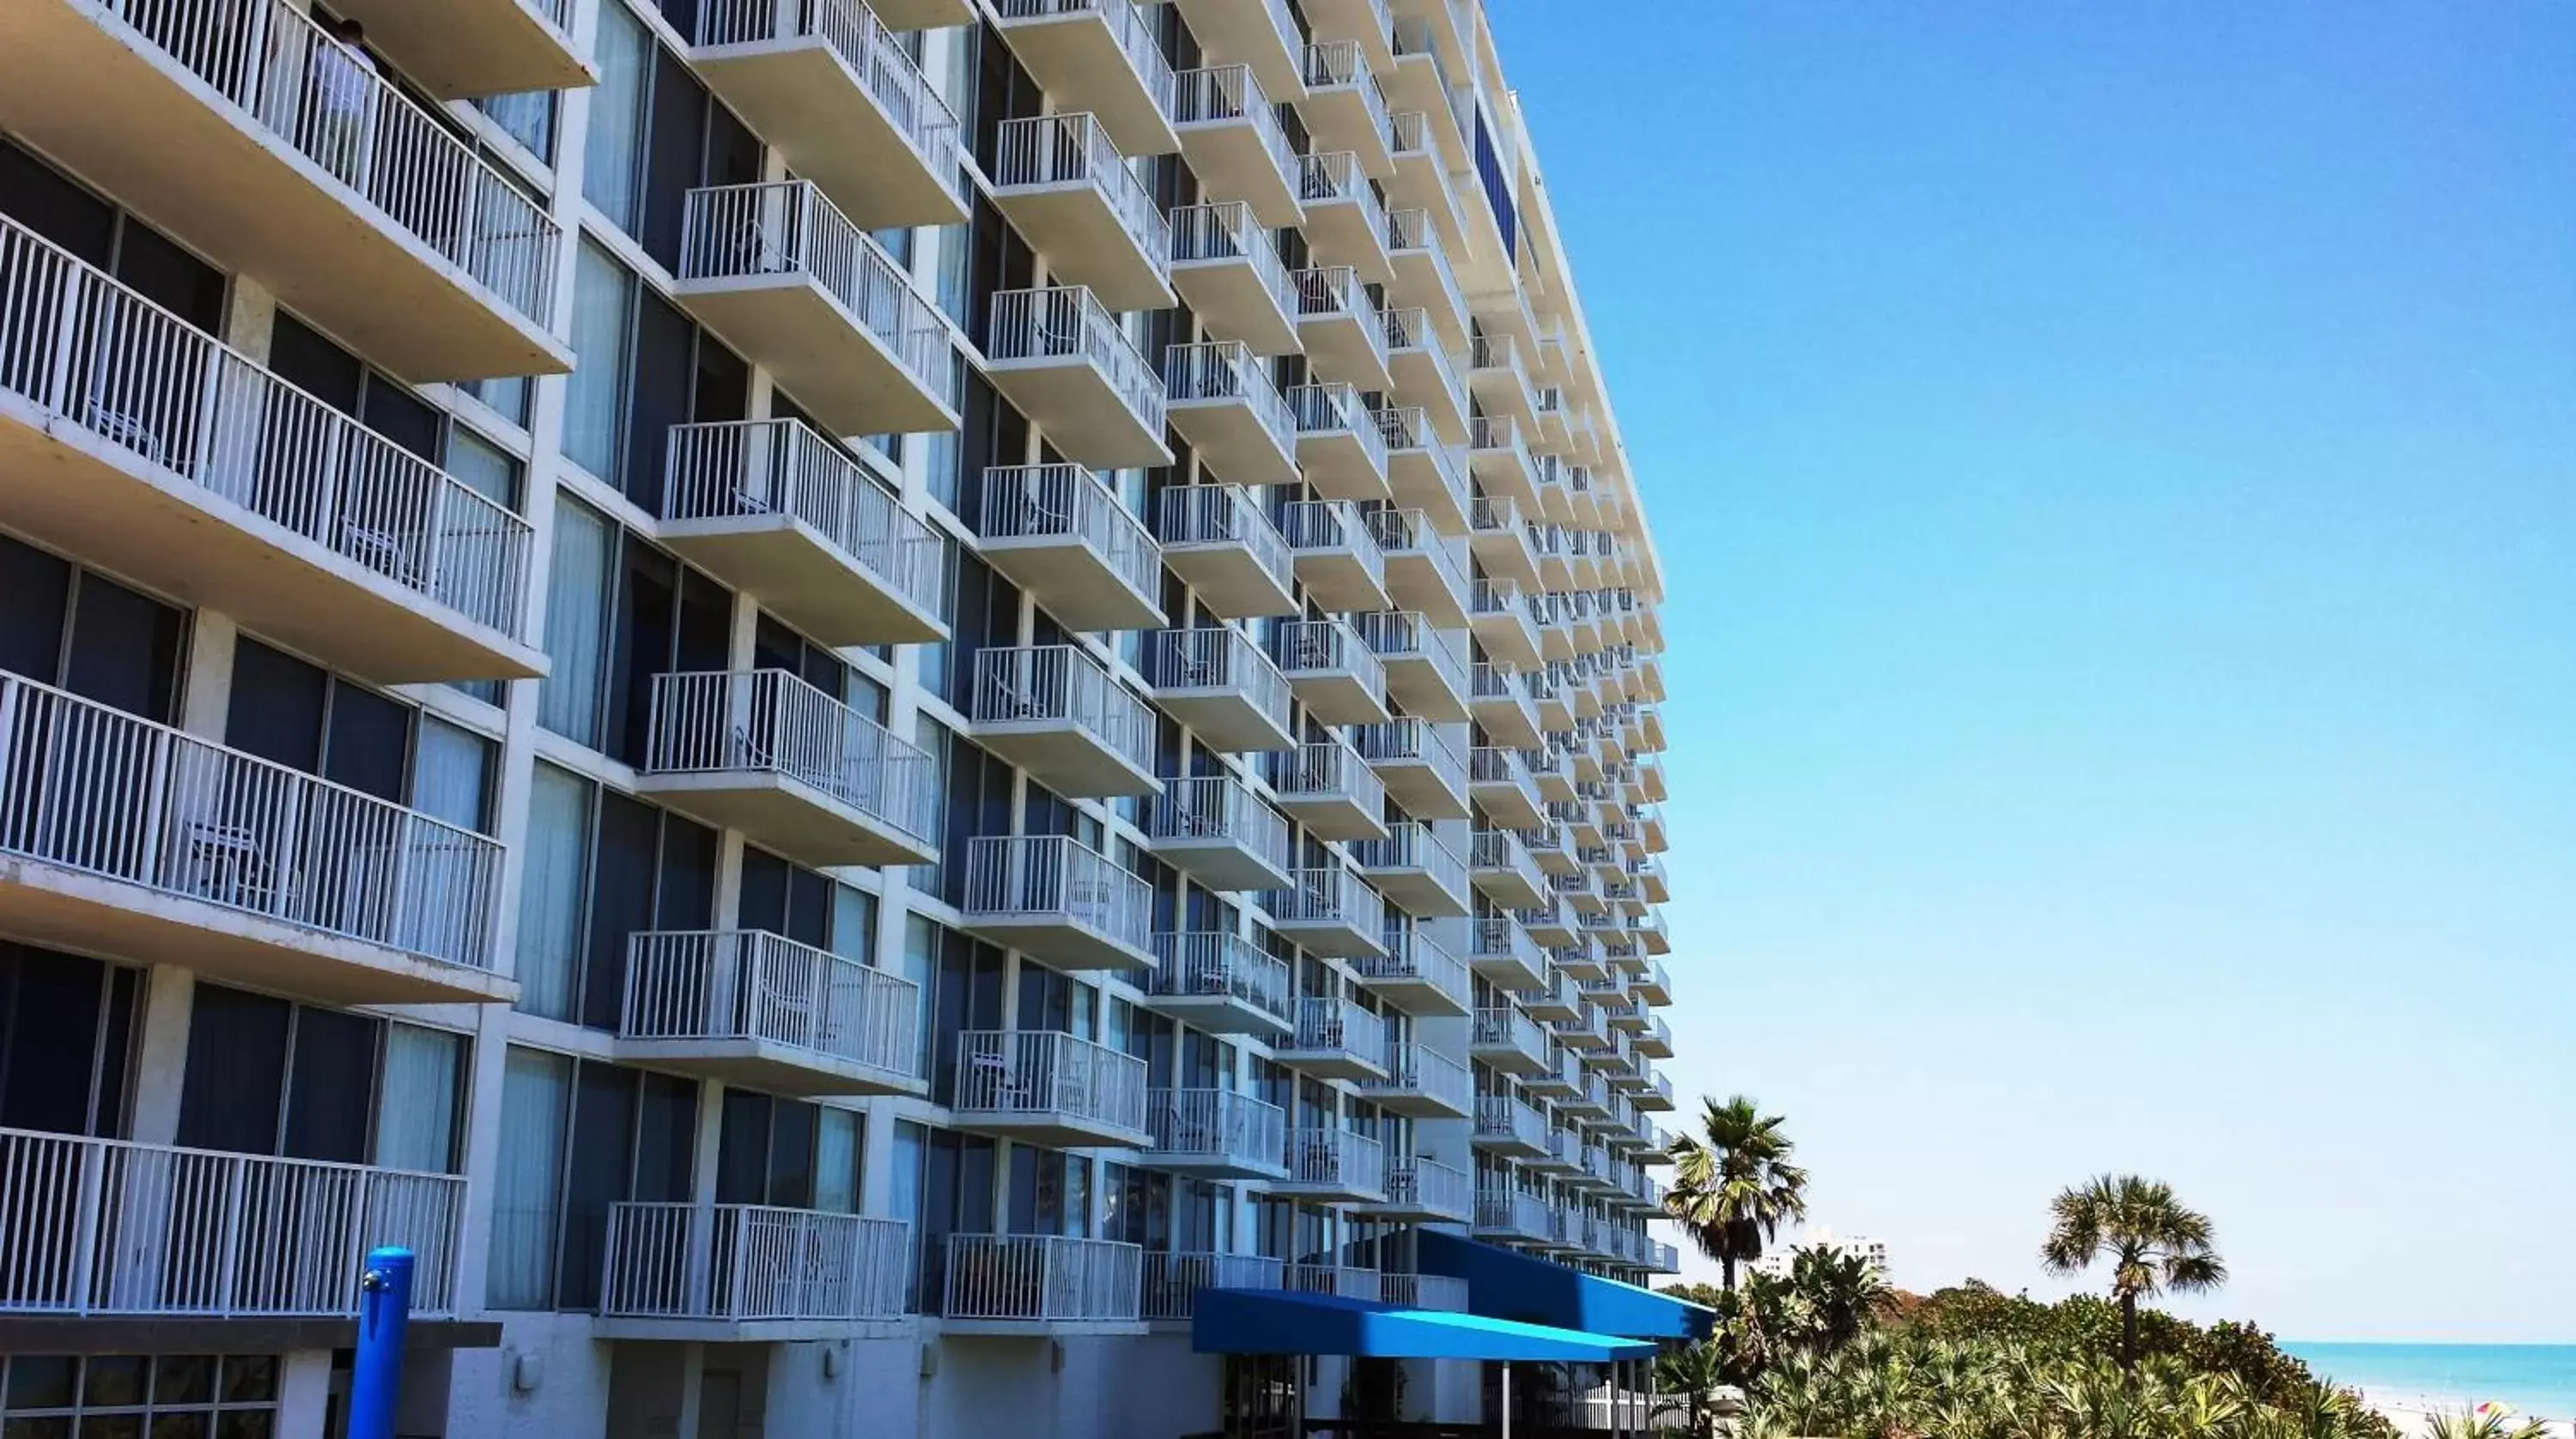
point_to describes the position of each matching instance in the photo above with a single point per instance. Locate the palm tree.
(1842, 1292)
(1733, 1184)
(2153, 1242)
(1686, 1375)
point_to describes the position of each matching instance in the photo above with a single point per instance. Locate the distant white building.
(1776, 1263)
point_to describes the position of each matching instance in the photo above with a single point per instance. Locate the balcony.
(1344, 110)
(1591, 1099)
(477, 47)
(1563, 1155)
(1498, 375)
(137, 841)
(1222, 983)
(1509, 1127)
(1422, 172)
(1423, 670)
(1658, 1094)
(1220, 684)
(1174, 1280)
(1333, 1166)
(1072, 195)
(1064, 537)
(1053, 1089)
(1416, 975)
(1329, 911)
(1220, 834)
(1502, 541)
(1230, 131)
(764, 752)
(1330, 790)
(749, 1273)
(1062, 902)
(1336, 556)
(1422, 275)
(1563, 1078)
(1066, 362)
(1502, 706)
(1418, 363)
(1423, 1083)
(1345, 222)
(754, 1008)
(1499, 783)
(1510, 1216)
(1503, 871)
(788, 517)
(1223, 403)
(1040, 1284)
(1340, 446)
(1428, 478)
(1425, 1191)
(1500, 614)
(1413, 869)
(1330, 670)
(842, 100)
(1101, 56)
(140, 444)
(1588, 1033)
(1420, 575)
(1501, 950)
(1227, 269)
(1548, 845)
(1218, 541)
(1418, 767)
(1055, 712)
(1498, 456)
(1508, 1041)
(797, 287)
(254, 139)
(1655, 1039)
(1335, 1039)
(1339, 325)
(107, 1229)
(1216, 1134)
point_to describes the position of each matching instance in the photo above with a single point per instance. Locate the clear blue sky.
(2113, 467)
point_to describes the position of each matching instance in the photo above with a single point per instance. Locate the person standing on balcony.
(344, 97)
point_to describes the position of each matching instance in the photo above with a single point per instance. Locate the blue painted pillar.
(384, 1317)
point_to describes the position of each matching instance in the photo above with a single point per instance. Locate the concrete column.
(206, 694)
(304, 1394)
(161, 1054)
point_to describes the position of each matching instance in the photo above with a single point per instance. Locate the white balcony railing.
(1224, 515)
(751, 984)
(1414, 1068)
(1031, 502)
(1217, 657)
(1340, 64)
(1496, 764)
(1414, 741)
(786, 228)
(772, 722)
(1500, 1117)
(1076, 150)
(1052, 878)
(1327, 769)
(1327, 291)
(1326, 646)
(94, 789)
(1429, 1291)
(1068, 322)
(1223, 93)
(1335, 409)
(1213, 370)
(1340, 1159)
(1412, 956)
(1061, 684)
(1326, 1025)
(1228, 230)
(1215, 1124)
(873, 53)
(1328, 894)
(1210, 964)
(1406, 634)
(270, 61)
(1504, 1026)
(1039, 1074)
(1412, 844)
(744, 469)
(1033, 1278)
(1407, 428)
(1343, 1281)
(1173, 1281)
(1432, 1185)
(1217, 808)
(747, 1263)
(107, 1228)
(137, 379)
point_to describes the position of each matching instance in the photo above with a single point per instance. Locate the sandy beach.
(2412, 1413)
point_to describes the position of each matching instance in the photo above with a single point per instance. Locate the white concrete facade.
(433, 939)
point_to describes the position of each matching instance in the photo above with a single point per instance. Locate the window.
(527, 117)
(300, 715)
(655, 135)
(789, 1154)
(67, 626)
(644, 367)
(66, 1041)
(967, 995)
(600, 868)
(807, 906)
(576, 1138)
(92, 228)
(268, 1076)
(233, 1396)
(618, 613)
(1050, 1192)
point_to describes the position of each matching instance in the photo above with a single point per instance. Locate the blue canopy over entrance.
(1263, 1321)
(1502, 1284)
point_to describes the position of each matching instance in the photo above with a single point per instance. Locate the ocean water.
(2536, 1379)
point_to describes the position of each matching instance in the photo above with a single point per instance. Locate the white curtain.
(416, 1125)
(452, 779)
(534, 1092)
(550, 891)
(836, 1162)
(624, 53)
(577, 590)
(594, 398)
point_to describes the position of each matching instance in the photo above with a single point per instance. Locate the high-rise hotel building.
(836, 701)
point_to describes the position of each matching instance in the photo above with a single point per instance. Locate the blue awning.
(1268, 1321)
(1504, 1285)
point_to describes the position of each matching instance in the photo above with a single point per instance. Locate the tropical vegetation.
(1733, 1185)
(2153, 1243)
